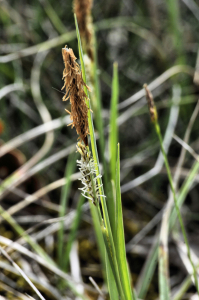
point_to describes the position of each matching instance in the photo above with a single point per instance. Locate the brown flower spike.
(74, 84)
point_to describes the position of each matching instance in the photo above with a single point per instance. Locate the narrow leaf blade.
(112, 287)
(113, 136)
(120, 243)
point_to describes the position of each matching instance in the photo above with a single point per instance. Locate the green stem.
(157, 128)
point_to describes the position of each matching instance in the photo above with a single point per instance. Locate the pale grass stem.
(154, 119)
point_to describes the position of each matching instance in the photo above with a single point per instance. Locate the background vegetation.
(152, 42)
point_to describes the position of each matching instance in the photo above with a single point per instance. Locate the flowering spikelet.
(88, 174)
(74, 84)
(82, 9)
(151, 105)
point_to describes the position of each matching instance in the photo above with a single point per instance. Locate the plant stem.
(157, 128)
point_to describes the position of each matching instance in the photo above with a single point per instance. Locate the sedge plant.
(77, 91)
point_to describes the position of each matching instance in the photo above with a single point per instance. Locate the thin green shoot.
(70, 168)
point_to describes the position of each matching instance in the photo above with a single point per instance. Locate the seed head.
(151, 105)
(74, 85)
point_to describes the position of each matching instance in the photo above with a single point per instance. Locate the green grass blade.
(120, 242)
(72, 234)
(113, 261)
(111, 281)
(98, 110)
(81, 54)
(113, 139)
(70, 167)
(98, 116)
(184, 191)
(147, 271)
(99, 236)
(113, 136)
